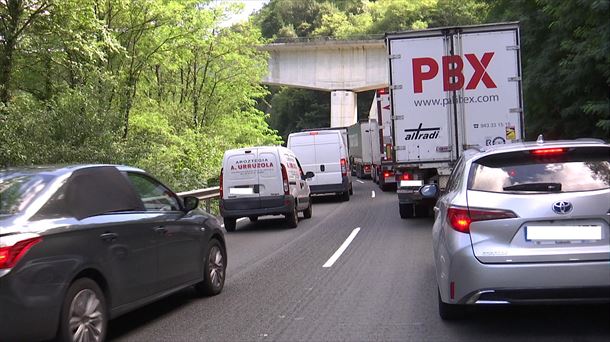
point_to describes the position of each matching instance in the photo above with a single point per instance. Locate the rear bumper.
(244, 207)
(28, 311)
(477, 283)
(330, 188)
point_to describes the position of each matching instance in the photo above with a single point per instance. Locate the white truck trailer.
(380, 119)
(359, 140)
(451, 89)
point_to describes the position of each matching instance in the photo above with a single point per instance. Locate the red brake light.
(10, 255)
(220, 184)
(548, 151)
(461, 218)
(405, 176)
(313, 133)
(383, 91)
(386, 174)
(285, 180)
(343, 167)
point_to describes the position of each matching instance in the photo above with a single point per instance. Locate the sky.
(250, 7)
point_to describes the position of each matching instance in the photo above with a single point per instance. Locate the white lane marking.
(238, 220)
(373, 193)
(359, 181)
(342, 249)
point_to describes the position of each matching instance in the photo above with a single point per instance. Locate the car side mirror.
(429, 191)
(190, 203)
(308, 175)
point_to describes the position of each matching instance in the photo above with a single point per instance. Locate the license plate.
(411, 183)
(241, 191)
(563, 233)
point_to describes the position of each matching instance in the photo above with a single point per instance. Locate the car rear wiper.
(551, 187)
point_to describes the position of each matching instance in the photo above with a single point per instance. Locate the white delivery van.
(324, 152)
(265, 180)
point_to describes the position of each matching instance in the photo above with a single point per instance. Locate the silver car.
(524, 223)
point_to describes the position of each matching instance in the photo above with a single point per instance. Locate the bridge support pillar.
(343, 108)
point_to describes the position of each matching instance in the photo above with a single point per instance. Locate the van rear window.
(297, 140)
(563, 170)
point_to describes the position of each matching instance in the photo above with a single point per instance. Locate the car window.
(18, 190)
(154, 195)
(456, 176)
(574, 170)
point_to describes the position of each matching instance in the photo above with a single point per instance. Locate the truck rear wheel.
(406, 210)
(421, 210)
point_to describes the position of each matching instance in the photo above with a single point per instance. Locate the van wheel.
(406, 210)
(351, 189)
(292, 219)
(253, 218)
(345, 196)
(307, 212)
(84, 314)
(230, 224)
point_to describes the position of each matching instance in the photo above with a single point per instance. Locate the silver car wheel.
(86, 317)
(216, 266)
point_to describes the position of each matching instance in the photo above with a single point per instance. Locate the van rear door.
(328, 158)
(269, 173)
(241, 179)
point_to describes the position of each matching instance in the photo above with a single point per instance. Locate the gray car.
(524, 223)
(83, 244)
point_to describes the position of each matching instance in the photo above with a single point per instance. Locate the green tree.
(566, 65)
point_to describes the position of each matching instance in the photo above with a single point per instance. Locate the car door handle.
(160, 230)
(436, 209)
(109, 237)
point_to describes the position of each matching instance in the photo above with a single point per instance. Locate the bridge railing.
(206, 195)
(283, 40)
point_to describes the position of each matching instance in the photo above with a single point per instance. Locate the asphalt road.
(381, 288)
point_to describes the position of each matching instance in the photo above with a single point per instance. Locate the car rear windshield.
(553, 170)
(18, 190)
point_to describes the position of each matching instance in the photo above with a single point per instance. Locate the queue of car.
(520, 223)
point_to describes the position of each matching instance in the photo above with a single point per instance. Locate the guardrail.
(206, 195)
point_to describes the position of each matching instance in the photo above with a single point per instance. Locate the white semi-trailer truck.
(380, 119)
(360, 154)
(451, 89)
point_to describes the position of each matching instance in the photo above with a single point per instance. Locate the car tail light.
(343, 167)
(313, 133)
(383, 91)
(461, 218)
(548, 151)
(220, 184)
(11, 254)
(367, 168)
(387, 174)
(406, 176)
(285, 180)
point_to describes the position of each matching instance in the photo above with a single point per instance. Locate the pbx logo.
(453, 77)
(420, 133)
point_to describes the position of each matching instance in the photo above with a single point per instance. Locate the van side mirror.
(308, 175)
(190, 203)
(429, 191)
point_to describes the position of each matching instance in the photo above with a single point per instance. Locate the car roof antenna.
(540, 139)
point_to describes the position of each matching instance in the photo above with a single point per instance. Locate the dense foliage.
(158, 84)
(565, 52)
(165, 85)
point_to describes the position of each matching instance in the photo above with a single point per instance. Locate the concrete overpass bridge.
(341, 67)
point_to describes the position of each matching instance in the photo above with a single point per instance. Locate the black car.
(83, 244)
